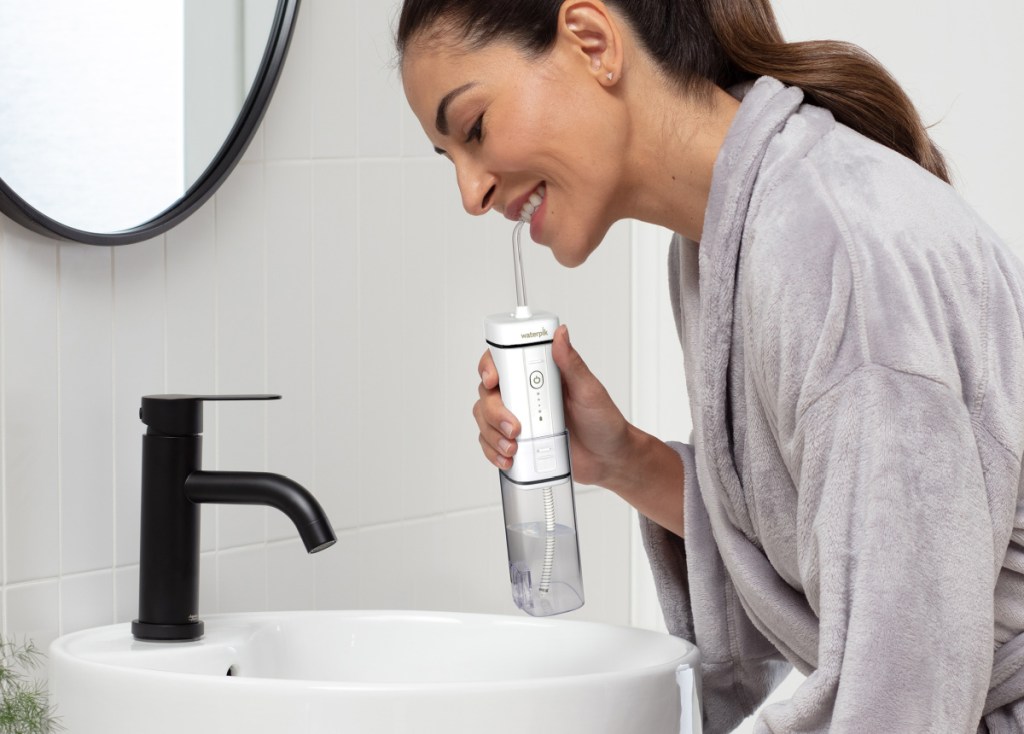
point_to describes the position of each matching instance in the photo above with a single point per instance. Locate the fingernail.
(504, 446)
(567, 340)
(506, 428)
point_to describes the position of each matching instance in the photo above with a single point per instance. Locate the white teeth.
(533, 203)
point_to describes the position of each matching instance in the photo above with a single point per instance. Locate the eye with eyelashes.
(477, 131)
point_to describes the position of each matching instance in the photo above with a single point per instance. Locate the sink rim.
(62, 652)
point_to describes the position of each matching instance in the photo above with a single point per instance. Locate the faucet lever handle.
(182, 415)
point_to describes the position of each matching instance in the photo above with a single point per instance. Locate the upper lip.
(515, 207)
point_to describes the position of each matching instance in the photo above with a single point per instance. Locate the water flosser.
(537, 490)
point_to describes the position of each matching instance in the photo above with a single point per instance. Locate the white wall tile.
(287, 125)
(479, 283)
(336, 317)
(86, 408)
(289, 329)
(379, 93)
(456, 562)
(603, 523)
(33, 613)
(240, 440)
(291, 576)
(384, 362)
(336, 572)
(209, 584)
(385, 578)
(475, 547)
(415, 143)
(87, 600)
(434, 561)
(139, 358)
(423, 285)
(241, 283)
(334, 40)
(237, 525)
(126, 593)
(192, 304)
(659, 404)
(30, 316)
(242, 580)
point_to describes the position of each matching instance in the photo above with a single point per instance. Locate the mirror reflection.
(110, 110)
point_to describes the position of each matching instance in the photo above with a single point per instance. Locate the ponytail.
(842, 77)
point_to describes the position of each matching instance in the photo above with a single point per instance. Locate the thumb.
(568, 360)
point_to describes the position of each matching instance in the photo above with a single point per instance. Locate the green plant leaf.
(24, 702)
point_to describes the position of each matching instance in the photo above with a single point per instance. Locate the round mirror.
(119, 118)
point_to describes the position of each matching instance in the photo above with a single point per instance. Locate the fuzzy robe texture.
(854, 351)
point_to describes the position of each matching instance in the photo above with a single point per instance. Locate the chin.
(570, 259)
(575, 254)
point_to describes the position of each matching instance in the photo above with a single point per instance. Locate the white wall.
(336, 267)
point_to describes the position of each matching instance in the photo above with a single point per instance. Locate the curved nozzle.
(522, 310)
(272, 490)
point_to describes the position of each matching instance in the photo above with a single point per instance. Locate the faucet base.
(167, 632)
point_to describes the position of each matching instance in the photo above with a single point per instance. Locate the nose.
(477, 187)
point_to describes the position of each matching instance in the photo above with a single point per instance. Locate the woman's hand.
(599, 434)
(606, 449)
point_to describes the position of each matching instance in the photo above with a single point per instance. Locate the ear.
(592, 33)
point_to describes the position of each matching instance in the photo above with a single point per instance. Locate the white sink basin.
(374, 672)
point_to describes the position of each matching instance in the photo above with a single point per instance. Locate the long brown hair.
(842, 77)
(703, 42)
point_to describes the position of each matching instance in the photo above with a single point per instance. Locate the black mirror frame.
(238, 139)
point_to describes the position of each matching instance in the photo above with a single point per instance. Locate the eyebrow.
(441, 122)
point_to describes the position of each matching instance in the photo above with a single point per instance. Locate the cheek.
(536, 131)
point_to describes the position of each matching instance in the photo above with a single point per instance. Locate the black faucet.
(173, 487)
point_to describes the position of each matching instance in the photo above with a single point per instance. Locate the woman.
(851, 503)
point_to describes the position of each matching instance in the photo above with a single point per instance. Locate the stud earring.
(610, 75)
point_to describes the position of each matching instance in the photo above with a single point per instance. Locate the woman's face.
(517, 128)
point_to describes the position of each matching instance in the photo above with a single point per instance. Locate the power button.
(536, 379)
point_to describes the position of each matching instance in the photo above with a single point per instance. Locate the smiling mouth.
(533, 203)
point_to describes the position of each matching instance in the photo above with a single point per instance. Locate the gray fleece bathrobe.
(854, 352)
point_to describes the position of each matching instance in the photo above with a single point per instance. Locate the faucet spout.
(272, 490)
